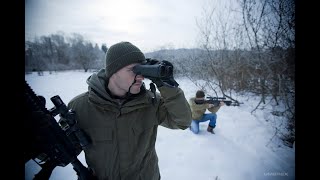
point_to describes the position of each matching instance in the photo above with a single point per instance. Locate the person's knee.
(195, 131)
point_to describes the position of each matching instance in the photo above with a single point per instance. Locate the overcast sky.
(150, 24)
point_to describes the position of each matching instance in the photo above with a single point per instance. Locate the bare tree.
(104, 48)
(249, 47)
(216, 38)
(33, 57)
(270, 29)
(56, 52)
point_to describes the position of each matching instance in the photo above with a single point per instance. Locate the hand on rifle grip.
(42, 100)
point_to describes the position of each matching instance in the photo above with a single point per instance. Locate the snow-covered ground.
(243, 148)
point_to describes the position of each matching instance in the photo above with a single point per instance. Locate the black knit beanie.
(200, 94)
(120, 55)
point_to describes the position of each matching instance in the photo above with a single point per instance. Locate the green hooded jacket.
(124, 135)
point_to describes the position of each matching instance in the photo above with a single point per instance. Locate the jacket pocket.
(103, 134)
(143, 126)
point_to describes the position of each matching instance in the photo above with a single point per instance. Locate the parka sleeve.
(174, 110)
(196, 107)
(214, 109)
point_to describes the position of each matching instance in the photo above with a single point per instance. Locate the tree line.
(59, 52)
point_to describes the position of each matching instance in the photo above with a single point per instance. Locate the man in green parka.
(121, 116)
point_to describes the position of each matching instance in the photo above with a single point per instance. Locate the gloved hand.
(150, 61)
(167, 81)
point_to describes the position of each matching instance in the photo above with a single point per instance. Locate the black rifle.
(53, 143)
(216, 101)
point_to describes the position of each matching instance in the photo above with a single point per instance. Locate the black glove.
(42, 101)
(167, 81)
(150, 61)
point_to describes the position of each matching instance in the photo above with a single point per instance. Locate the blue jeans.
(212, 117)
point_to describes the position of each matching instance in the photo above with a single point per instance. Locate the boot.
(210, 129)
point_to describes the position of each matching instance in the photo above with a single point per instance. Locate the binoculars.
(159, 70)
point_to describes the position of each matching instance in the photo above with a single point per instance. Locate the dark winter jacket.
(124, 135)
(199, 109)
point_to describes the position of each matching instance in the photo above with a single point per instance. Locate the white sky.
(241, 149)
(149, 24)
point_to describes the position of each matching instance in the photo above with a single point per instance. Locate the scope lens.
(56, 100)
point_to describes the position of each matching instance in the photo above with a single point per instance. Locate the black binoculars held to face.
(159, 70)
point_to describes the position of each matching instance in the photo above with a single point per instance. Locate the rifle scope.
(69, 123)
(215, 98)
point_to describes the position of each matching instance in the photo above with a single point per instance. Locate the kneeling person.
(199, 115)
